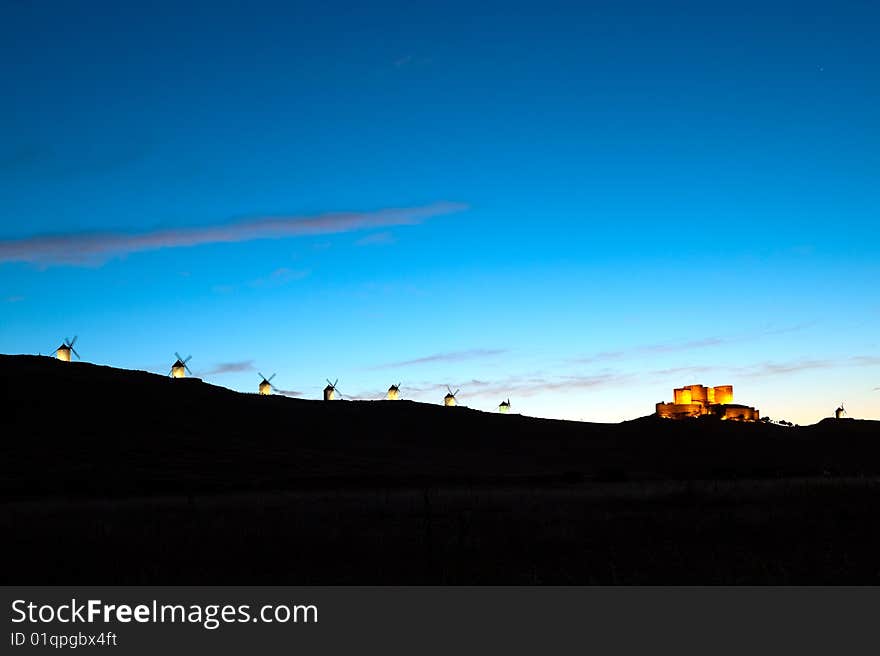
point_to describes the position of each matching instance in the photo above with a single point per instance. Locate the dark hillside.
(124, 477)
(80, 429)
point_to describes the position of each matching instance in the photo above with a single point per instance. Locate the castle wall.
(682, 396)
(697, 400)
(699, 394)
(679, 410)
(723, 394)
(740, 413)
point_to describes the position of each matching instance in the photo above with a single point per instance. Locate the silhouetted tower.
(449, 399)
(838, 414)
(504, 408)
(393, 392)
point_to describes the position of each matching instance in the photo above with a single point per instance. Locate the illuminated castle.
(697, 400)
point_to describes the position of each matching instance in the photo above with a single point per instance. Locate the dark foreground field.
(125, 477)
(799, 531)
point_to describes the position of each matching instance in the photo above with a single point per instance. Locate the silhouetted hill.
(78, 429)
(124, 477)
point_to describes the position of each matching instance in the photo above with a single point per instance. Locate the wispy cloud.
(651, 349)
(771, 368)
(451, 356)
(523, 385)
(230, 368)
(95, 248)
(781, 368)
(528, 386)
(677, 371)
(284, 392)
(689, 345)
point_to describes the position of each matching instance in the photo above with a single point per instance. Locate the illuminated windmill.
(838, 414)
(393, 392)
(179, 369)
(330, 391)
(504, 408)
(63, 352)
(266, 385)
(449, 399)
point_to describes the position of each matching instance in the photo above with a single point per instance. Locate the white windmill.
(266, 387)
(63, 352)
(838, 414)
(504, 408)
(449, 399)
(393, 392)
(179, 369)
(330, 391)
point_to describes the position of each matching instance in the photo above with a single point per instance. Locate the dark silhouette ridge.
(193, 483)
(82, 429)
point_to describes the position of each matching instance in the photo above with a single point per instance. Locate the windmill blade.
(188, 369)
(262, 376)
(269, 379)
(449, 389)
(178, 356)
(74, 352)
(171, 371)
(188, 358)
(328, 382)
(456, 393)
(334, 383)
(75, 337)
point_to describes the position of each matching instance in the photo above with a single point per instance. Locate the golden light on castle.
(699, 400)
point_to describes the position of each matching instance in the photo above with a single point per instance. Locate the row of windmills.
(180, 369)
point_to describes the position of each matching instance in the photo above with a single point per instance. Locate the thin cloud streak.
(523, 386)
(291, 393)
(230, 368)
(764, 369)
(676, 347)
(452, 356)
(95, 248)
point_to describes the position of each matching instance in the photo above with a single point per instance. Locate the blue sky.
(577, 205)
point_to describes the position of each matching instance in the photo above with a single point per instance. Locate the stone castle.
(698, 400)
